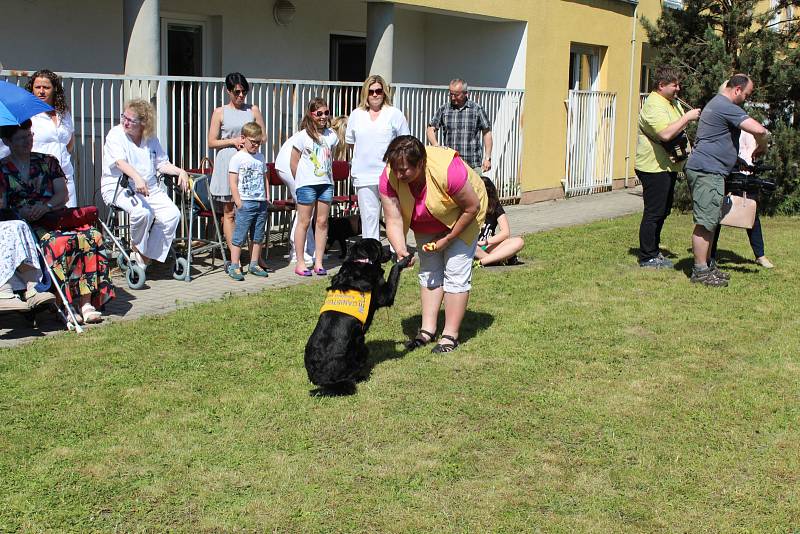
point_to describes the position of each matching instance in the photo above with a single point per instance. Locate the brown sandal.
(419, 341)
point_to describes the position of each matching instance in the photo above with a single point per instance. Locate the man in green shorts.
(712, 160)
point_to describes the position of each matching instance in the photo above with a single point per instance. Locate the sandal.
(446, 347)
(90, 314)
(303, 272)
(321, 272)
(419, 341)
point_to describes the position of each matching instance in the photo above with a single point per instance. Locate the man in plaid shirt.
(464, 123)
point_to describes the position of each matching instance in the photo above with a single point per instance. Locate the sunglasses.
(239, 92)
(254, 142)
(322, 113)
(376, 92)
(125, 118)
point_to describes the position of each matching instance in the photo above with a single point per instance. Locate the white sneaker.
(764, 262)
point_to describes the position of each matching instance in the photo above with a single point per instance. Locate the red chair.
(283, 207)
(347, 202)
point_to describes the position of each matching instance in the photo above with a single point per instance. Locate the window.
(584, 68)
(673, 4)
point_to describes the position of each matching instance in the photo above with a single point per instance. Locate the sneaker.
(255, 270)
(666, 261)
(36, 299)
(719, 274)
(655, 263)
(764, 262)
(13, 304)
(707, 278)
(235, 273)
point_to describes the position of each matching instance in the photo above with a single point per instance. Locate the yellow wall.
(552, 26)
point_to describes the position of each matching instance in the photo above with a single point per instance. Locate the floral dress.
(77, 256)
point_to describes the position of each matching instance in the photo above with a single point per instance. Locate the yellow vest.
(351, 302)
(439, 203)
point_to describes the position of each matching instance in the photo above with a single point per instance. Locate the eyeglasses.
(239, 92)
(376, 92)
(254, 142)
(458, 93)
(326, 113)
(125, 118)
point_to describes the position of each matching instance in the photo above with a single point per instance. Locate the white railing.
(591, 117)
(184, 106)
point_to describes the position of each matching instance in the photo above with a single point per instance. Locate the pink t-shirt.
(421, 219)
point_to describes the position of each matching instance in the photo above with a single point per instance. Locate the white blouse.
(145, 157)
(51, 138)
(370, 140)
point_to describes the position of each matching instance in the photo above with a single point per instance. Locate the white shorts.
(450, 268)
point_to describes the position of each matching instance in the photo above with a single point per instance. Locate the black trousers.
(658, 193)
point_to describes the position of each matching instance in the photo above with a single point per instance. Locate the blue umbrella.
(18, 105)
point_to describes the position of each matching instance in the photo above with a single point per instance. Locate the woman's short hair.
(387, 91)
(236, 78)
(146, 114)
(405, 147)
(7, 131)
(252, 129)
(59, 100)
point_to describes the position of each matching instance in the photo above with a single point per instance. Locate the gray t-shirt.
(717, 143)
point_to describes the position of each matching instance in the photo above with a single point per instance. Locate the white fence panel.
(184, 106)
(591, 117)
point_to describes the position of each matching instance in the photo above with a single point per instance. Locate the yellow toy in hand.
(429, 247)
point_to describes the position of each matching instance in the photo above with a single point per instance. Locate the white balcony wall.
(76, 36)
(252, 43)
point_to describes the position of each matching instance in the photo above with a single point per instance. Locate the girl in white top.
(370, 129)
(311, 162)
(53, 131)
(131, 148)
(283, 168)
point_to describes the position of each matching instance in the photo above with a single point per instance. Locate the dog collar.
(351, 302)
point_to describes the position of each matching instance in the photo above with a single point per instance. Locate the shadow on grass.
(383, 350)
(726, 259)
(635, 252)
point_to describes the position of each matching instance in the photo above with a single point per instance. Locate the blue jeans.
(252, 218)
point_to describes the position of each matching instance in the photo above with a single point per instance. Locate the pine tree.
(710, 40)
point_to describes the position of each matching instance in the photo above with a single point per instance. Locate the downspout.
(630, 96)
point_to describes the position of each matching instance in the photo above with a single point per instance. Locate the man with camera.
(660, 154)
(713, 159)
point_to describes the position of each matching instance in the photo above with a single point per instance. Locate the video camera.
(746, 179)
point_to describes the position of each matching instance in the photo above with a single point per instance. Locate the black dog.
(336, 353)
(340, 229)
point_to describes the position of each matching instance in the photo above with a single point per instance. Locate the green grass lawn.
(588, 395)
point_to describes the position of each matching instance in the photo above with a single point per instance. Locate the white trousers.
(72, 199)
(290, 184)
(154, 218)
(369, 205)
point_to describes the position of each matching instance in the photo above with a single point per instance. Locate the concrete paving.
(163, 294)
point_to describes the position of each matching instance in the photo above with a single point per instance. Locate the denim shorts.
(251, 217)
(308, 194)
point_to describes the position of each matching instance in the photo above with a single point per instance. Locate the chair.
(345, 203)
(283, 207)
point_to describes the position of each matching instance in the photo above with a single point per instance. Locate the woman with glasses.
(133, 150)
(53, 131)
(225, 136)
(370, 129)
(311, 163)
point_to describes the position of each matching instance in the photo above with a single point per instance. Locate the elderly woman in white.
(131, 148)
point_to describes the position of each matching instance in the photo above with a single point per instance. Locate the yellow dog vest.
(351, 302)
